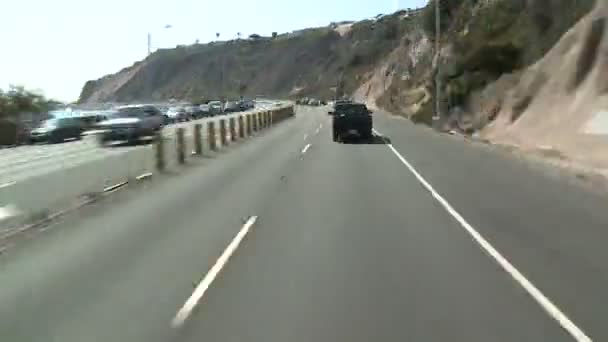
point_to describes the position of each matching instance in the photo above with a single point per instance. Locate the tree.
(255, 36)
(20, 100)
(274, 35)
(238, 34)
(217, 35)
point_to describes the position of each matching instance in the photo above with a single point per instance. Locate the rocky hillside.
(487, 46)
(311, 62)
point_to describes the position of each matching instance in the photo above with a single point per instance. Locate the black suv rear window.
(351, 109)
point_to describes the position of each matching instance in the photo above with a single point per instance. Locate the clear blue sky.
(57, 45)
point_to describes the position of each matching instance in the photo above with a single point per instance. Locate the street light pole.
(437, 56)
(150, 39)
(149, 44)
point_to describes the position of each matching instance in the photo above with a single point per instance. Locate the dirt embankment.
(560, 104)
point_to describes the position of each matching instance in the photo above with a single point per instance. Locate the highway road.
(292, 237)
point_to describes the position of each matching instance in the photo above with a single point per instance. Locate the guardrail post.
(159, 143)
(248, 120)
(181, 146)
(232, 125)
(198, 139)
(260, 121)
(211, 136)
(276, 116)
(254, 122)
(223, 132)
(265, 119)
(241, 127)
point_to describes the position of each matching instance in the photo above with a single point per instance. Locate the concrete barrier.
(223, 139)
(160, 152)
(232, 128)
(198, 139)
(181, 146)
(260, 121)
(241, 127)
(211, 136)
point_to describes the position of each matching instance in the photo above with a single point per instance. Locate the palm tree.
(217, 35)
(238, 34)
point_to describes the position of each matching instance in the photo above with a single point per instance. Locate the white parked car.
(177, 114)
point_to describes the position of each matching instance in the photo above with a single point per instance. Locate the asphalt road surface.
(292, 237)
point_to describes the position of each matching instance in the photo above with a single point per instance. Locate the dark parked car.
(194, 112)
(215, 108)
(232, 106)
(246, 104)
(57, 130)
(351, 119)
(131, 123)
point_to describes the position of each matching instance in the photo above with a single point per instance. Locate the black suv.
(351, 119)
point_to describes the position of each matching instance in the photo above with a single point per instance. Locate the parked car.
(57, 130)
(246, 104)
(131, 123)
(215, 108)
(194, 112)
(232, 106)
(204, 108)
(177, 114)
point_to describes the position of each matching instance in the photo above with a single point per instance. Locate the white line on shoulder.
(550, 308)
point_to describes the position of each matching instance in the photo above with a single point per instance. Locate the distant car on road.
(204, 108)
(194, 112)
(232, 106)
(351, 119)
(246, 104)
(57, 130)
(131, 123)
(215, 107)
(177, 114)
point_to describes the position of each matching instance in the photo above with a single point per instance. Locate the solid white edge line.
(305, 136)
(8, 211)
(144, 176)
(185, 311)
(115, 186)
(551, 309)
(6, 185)
(305, 148)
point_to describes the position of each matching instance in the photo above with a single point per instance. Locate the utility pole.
(437, 115)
